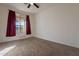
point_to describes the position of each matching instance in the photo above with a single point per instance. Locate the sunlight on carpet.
(4, 51)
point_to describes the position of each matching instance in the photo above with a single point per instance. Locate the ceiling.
(32, 9)
(42, 6)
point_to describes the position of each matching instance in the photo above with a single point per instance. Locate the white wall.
(59, 24)
(3, 24)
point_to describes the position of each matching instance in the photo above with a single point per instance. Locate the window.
(20, 24)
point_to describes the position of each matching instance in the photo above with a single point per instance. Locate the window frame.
(21, 17)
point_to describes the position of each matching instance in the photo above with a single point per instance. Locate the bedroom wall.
(59, 24)
(3, 24)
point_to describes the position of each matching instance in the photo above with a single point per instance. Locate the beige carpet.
(36, 47)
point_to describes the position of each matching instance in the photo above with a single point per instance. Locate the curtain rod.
(18, 12)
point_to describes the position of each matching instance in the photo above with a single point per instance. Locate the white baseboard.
(72, 45)
(6, 39)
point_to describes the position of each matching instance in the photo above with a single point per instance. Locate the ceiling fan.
(29, 4)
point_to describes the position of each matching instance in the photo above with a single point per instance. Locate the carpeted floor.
(36, 47)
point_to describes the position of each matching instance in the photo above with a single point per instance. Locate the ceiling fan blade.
(25, 3)
(29, 5)
(36, 5)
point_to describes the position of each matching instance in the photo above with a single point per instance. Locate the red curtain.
(28, 28)
(11, 24)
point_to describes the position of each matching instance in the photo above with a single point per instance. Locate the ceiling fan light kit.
(31, 3)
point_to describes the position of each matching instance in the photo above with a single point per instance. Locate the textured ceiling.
(32, 9)
(42, 6)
